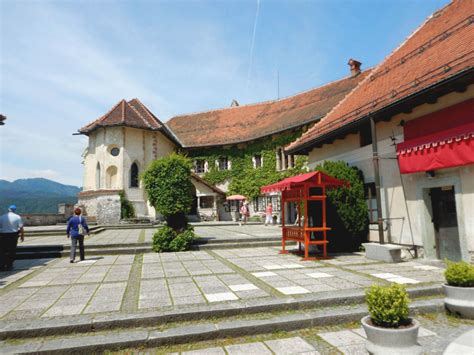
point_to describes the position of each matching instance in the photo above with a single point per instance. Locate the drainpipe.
(375, 159)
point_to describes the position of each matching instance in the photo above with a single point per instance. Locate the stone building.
(420, 103)
(124, 141)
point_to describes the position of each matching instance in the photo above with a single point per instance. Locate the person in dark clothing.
(11, 227)
(76, 229)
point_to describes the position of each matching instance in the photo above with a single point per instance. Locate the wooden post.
(324, 221)
(283, 232)
(306, 236)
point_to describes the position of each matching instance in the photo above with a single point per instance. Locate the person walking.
(76, 229)
(11, 226)
(269, 214)
(245, 212)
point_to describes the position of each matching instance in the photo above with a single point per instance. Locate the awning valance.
(443, 139)
(315, 177)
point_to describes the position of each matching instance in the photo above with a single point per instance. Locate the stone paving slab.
(55, 288)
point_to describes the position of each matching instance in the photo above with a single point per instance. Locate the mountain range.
(36, 195)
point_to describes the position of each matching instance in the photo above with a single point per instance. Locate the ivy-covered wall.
(244, 178)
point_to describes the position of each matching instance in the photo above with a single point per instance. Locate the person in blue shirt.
(11, 227)
(76, 229)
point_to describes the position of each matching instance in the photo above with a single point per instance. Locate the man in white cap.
(11, 226)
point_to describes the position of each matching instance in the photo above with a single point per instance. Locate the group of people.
(245, 212)
(11, 229)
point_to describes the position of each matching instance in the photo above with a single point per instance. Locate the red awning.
(315, 177)
(440, 140)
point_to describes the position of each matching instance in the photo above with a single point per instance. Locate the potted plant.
(459, 289)
(388, 328)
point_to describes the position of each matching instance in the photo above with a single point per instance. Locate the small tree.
(168, 185)
(346, 205)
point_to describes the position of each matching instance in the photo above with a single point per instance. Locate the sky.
(65, 63)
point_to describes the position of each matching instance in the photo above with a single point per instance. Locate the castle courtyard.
(260, 290)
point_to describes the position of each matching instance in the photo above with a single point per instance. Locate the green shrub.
(347, 211)
(126, 207)
(459, 274)
(166, 239)
(388, 305)
(169, 188)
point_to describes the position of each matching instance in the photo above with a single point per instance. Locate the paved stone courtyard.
(44, 288)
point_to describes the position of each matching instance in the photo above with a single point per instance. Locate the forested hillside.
(36, 195)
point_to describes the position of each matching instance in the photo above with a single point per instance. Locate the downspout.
(375, 159)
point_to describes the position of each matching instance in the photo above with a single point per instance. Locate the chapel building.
(124, 141)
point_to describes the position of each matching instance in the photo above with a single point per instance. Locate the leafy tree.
(346, 205)
(168, 185)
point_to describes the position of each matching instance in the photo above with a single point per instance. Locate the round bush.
(459, 274)
(388, 305)
(169, 188)
(166, 239)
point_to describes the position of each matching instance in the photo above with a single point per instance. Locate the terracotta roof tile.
(439, 49)
(247, 122)
(130, 114)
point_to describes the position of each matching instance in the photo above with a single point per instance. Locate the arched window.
(97, 177)
(134, 175)
(111, 178)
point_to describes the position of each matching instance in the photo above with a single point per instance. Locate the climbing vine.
(244, 178)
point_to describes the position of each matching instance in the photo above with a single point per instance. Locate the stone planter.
(392, 340)
(459, 300)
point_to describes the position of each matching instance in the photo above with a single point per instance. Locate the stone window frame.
(255, 160)
(284, 161)
(219, 163)
(204, 169)
(131, 178)
(112, 147)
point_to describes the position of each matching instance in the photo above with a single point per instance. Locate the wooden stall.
(308, 192)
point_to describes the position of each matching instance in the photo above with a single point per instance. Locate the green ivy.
(126, 207)
(244, 178)
(347, 213)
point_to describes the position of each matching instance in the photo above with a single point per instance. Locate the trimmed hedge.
(460, 274)
(169, 188)
(388, 305)
(347, 211)
(166, 239)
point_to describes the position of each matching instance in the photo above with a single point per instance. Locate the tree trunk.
(178, 222)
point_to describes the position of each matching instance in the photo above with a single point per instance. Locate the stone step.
(56, 251)
(101, 322)
(49, 233)
(143, 338)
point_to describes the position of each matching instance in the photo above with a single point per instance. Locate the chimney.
(355, 67)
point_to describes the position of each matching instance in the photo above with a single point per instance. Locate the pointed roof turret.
(130, 114)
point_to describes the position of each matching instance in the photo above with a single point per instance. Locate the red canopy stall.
(300, 190)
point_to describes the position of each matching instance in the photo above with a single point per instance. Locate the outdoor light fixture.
(430, 174)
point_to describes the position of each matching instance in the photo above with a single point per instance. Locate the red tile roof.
(131, 114)
(247, 122)
(440, 49)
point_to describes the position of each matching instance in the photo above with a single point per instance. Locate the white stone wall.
(136, 146)
(393, 194)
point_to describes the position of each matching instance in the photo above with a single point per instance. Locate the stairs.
(57, 251)
(106, 332)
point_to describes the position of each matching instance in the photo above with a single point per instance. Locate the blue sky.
(65, 63)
